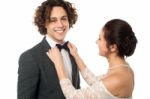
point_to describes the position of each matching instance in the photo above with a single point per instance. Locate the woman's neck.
(116, 61)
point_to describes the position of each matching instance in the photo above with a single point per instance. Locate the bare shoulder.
(120, 83)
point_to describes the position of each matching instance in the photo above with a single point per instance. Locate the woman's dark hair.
(119, 32)
(43, 13)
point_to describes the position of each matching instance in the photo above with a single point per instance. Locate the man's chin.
(60, 40)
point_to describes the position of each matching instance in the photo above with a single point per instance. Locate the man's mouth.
(59, 30)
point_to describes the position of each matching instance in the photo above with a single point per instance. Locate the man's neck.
(52, 42)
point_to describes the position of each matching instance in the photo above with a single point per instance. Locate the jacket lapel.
(45, 45)
(74, 71)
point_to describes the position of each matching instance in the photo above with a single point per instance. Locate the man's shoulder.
(35, 50)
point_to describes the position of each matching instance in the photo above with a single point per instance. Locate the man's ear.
(46, 24)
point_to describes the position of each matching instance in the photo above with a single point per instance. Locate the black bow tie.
(64, 46)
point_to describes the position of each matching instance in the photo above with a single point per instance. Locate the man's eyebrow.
(64, 16)
(61, 17)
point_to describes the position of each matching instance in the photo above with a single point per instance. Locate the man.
(37, 77)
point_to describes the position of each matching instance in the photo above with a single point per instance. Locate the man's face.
(59, 25)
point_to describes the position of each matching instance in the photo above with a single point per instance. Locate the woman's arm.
(88, 76)
(55, 55)
(74, 53)
(95, 91)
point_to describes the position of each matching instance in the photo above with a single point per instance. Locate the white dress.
(96, 89)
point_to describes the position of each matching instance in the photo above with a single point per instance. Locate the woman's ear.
(113, 48)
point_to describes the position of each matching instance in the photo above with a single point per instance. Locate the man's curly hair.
(43, 13)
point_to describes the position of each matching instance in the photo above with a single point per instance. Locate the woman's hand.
(73, 49)
(56, 57)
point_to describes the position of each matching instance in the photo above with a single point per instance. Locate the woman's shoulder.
(120, 83)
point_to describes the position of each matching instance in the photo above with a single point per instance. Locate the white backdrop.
(18, 33)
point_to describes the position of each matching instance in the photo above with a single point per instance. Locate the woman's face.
(101, 42)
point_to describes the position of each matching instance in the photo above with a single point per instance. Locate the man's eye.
(64, 19)
(52, 20)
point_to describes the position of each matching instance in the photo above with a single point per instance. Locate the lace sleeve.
(95, 91)
(88, 76)
(71, 93)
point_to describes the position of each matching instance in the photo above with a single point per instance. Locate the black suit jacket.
(37, 77)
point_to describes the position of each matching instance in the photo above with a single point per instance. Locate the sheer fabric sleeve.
(89, 77)
(95, 91)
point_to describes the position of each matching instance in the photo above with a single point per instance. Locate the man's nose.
(59, 23)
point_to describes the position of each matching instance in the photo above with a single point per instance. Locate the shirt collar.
(50, 41)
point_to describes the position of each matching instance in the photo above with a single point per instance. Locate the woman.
(116, 42)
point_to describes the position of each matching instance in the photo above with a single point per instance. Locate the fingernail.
(47, 53)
